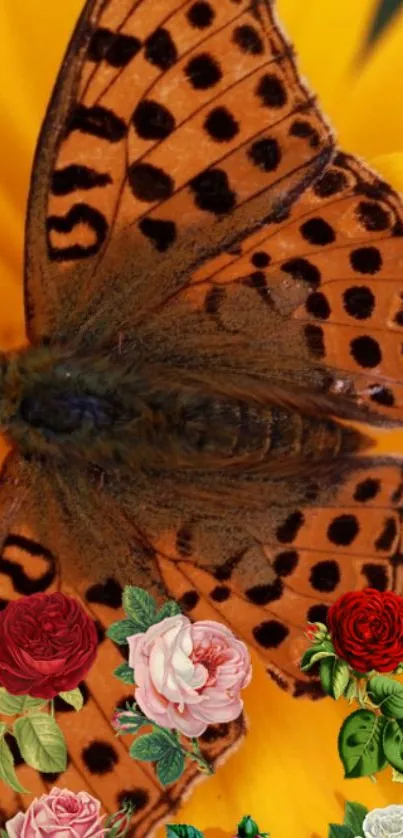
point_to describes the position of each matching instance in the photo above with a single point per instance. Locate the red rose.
(366, 628)
(47, 644)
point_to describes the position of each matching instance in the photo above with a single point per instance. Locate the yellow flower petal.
(371, 122)
(361, 99)
(390, 167)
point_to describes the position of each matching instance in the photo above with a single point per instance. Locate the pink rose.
(189, 675)
(59, 814)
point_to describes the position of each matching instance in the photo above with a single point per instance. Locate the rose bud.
(248, 828)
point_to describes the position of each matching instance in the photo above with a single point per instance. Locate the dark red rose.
(47, 644)
(367, 629)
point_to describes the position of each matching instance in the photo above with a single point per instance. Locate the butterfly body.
(103, 411)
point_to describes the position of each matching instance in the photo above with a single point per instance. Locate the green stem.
(196, 755)
(52, 708)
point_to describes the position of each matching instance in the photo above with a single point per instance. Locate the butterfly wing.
(147, 144)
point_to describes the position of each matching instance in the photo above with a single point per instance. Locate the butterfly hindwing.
(269, 590)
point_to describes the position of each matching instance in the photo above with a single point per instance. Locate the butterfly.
(213, 302)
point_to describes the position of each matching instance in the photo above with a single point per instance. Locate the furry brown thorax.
(106, 412)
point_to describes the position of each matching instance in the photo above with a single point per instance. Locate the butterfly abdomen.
(102, 411)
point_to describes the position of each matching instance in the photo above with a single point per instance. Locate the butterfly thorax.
(103, 411)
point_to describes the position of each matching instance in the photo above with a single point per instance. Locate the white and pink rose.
(189, 675)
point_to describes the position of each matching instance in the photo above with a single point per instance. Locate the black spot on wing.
(78, 214)
(212, 191)
(160, 50)
(75, 177)
(221, 125)
(100, 757)
(161, 233)
(200, 15)
(271, 91)
(265, 154)
(149, 183)
(203, 71)
(22, 583)
(116, 49)
(366, 352)
(288, 530)
(152, 121)
(107, 593)
(367, 490)
(382, 395)
(248, 39)
(386, 539)
(270, 634)
(325, 576)
(359, 302)
(366, 260)
(97, 121)
(189, 600)
(302, 269)
(305, 131)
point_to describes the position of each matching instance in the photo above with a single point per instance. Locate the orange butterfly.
(212, 291)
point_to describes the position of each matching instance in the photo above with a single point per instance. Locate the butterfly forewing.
(147, 138)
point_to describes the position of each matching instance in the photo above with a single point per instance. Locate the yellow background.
(287, 774)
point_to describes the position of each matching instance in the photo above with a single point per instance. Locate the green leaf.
(360, 744)
(121, 630)
(354, 815)
(12, 705)
(125, 673)
(140, 606)
(387, 695)
(7, 773)
(350, 692)
(397, 776)
(3, 833)
(169, 609)
(393, 743)
(181, 830)
(73, 697)
(341, 677)
(41, 742)
(171, 766)
(337, 831)
(150, 747)
(334, 675)
(315, 653)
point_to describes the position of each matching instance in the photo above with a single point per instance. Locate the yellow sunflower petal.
(361, 99)
(371, 122)
(390, 167)
(328, 37)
